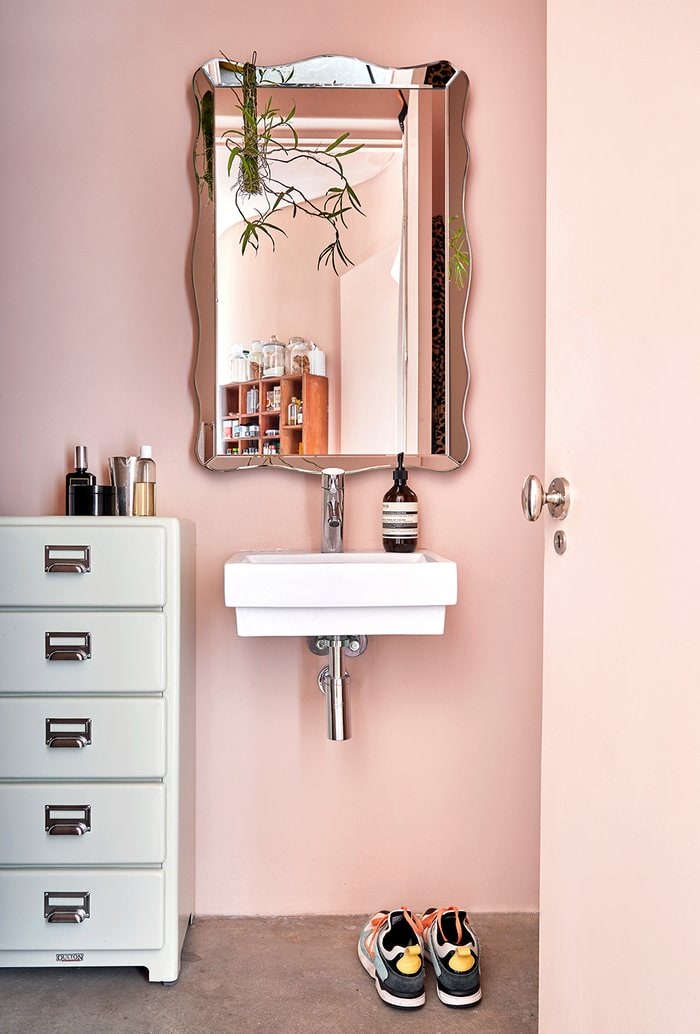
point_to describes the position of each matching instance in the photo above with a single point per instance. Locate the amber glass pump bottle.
(400, 514)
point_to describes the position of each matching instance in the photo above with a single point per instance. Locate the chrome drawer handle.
(68, 646)
(68, 732)
(67, 820)
(67, 559)
(63, 907)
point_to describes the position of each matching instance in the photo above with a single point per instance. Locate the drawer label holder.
(68, 732)
(61, 906)
(68, 646)
(71, 820)
(67, 559)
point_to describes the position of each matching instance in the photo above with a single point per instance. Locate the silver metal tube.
(337, 692)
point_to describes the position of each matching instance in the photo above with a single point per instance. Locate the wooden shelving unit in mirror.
(257, 419)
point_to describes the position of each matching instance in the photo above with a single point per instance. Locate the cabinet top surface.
(94, 522)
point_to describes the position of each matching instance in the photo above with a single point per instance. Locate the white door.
(620, 876)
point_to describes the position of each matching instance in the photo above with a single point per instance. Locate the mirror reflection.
(331, 265)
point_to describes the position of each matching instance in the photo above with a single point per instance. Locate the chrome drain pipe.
(334, 681)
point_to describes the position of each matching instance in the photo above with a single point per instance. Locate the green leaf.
(343, 136)
(350, 150)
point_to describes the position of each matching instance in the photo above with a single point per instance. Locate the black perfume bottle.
(80, 476)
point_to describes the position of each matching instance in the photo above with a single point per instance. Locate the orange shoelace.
(428, 922)
(378, 921)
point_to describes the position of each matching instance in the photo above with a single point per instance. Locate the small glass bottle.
(80, 476)
(145, 484)
(292, 413)
(300, 412)
(252, 400)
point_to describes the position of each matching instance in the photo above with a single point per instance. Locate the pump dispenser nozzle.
(400, 473)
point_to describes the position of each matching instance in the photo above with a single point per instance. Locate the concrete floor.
(279, 976)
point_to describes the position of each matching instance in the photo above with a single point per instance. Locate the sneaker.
(391, 950)
(453, 949)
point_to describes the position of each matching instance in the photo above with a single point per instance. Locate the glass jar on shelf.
(299, 356)
(256, 360)
(293, 342)
(273, 358)
(239, 369)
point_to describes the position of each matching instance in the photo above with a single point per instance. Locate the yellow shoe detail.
(410, 961)
(462, 961)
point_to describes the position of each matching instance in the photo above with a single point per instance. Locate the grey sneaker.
(391, 950)
(453, 949)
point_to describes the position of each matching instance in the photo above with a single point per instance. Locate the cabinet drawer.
(82, 738)
(124, 909)
(88, 823)
(90, 566)
(125, 652)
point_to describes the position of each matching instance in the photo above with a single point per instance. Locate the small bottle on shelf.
(80, 476)
(145, 484)
(300, 412)
(252, 400)
(292, 412)
(317, 360)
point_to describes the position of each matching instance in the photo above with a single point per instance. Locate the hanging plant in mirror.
(258, 151)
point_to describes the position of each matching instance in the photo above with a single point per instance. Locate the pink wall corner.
(98, 336)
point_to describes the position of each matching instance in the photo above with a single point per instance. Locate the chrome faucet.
(333, 483)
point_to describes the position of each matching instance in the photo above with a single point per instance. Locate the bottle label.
(400, 520)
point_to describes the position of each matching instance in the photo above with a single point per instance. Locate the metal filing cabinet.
(96, 741)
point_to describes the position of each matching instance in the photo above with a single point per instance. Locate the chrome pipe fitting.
(334, 681)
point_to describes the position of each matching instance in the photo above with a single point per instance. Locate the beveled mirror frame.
(452, 359)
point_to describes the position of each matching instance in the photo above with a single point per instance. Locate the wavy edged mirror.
(331, 210)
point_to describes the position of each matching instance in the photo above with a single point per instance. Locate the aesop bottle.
(400, 514)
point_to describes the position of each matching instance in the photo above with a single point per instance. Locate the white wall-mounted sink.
(286, 593)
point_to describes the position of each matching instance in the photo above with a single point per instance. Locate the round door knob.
(534, 497)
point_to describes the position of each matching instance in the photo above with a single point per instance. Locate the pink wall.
(436, 796)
